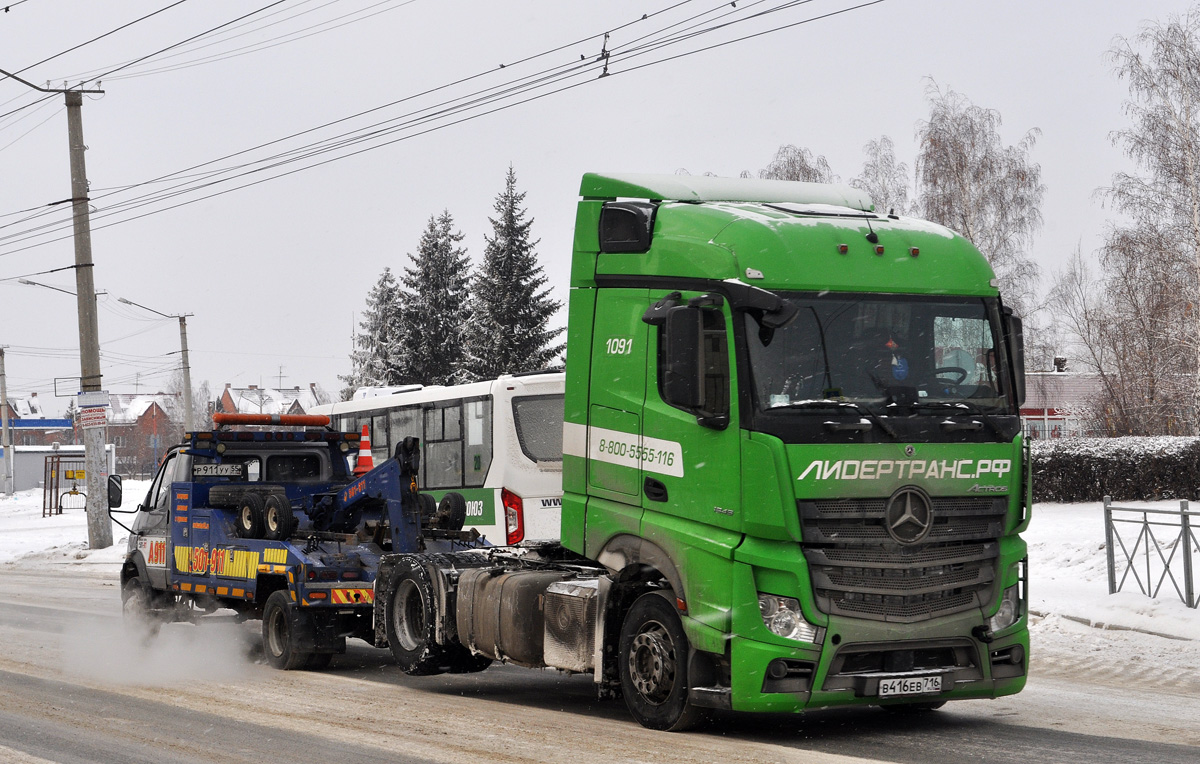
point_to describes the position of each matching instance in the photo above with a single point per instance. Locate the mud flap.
(316, 631)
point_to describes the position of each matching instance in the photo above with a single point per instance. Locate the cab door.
(151, 524)
(692, 456)
(617, 393)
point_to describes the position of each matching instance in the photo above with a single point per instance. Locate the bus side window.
(477, 446)
(443, 457)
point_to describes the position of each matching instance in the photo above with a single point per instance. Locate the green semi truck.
(793, 469)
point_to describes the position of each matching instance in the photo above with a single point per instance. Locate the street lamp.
(27, 282)
(188, 423)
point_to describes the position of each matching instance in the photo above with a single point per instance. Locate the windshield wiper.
(832, 404)
(964, 408)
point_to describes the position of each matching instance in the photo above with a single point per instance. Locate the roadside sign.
(93, 399)
(39, 424)
(93, 417)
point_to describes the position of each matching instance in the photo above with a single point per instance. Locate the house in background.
(267, 400)
(143, 426)
(1056, 402)
(31, 408)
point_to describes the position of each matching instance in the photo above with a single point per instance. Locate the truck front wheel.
(137, 610)
(411, 622)
(279, 634)
(653, 665)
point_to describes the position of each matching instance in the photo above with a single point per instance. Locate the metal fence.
(1161, 550)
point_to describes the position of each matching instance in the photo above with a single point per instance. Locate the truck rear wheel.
(411, 622)
(653, 665)
(279, 634)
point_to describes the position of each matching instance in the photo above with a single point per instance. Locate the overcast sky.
(276, 272)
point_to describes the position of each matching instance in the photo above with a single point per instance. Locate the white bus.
(498, 443)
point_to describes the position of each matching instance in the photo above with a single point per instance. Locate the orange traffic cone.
(365, 463)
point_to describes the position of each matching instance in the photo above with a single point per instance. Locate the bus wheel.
(249, 520)
(410, 623)
(278, 519)
(653, 665)
(279, 634)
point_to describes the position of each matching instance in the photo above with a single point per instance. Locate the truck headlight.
(783, 617)
(1010, 609)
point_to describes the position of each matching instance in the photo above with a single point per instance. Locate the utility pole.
(99, 526)
(5, 432)
(189, 423)
(93, 401)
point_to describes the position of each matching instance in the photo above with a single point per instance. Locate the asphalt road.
(75, 687)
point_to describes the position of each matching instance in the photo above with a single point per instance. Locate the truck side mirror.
(682, 368)
(1015, 338)
(114, 491)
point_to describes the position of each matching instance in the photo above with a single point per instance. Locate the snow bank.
(1068, 573)
(28, 537)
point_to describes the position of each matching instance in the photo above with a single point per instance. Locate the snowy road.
(75, 687)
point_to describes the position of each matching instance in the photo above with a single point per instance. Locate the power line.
(480, 99)
(320, 28)
(53, 114)
(101, 37)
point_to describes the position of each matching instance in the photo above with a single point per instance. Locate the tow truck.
(273, 523)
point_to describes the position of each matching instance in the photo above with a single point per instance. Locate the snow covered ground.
(29, 538)
(1068, 588)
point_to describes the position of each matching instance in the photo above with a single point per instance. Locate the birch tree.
(970, 181)
(883, 178)
(798, 163)
(1161, 66)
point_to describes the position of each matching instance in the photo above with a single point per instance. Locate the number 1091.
(619, 346)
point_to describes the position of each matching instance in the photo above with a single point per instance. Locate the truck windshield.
(882, 354)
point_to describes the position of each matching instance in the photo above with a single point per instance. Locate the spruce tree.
(435, 304)
(510, 307)
(377, 359)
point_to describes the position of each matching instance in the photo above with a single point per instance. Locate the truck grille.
(858, 569)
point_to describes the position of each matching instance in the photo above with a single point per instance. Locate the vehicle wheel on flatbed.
(411, 622)
(137, 608)
(279, 634)
(653, 665)
(451, 512)
(278, 519)
(249, 518)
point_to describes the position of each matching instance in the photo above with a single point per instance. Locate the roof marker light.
(914, 251)
(843, 249)
(879, 249)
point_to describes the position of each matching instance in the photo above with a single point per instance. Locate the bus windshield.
(880, 353)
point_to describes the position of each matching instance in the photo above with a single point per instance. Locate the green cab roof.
(704, 188)
(776, 235)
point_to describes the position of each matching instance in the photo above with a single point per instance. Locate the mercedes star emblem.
(909, 515)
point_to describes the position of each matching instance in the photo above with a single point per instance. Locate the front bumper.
(857, 655)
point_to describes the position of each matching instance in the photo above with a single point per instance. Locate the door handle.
(654, 489)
